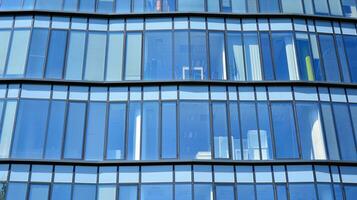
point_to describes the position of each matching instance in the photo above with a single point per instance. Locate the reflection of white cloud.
(137, 137)
(317, 139)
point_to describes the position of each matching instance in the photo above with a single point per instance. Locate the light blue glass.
(150, 131)
(70, 5)
(235, 131)
(220, 130)
(95, 131)
(156, 192)
(203, 191)
(7, 128)
(87, 5)
(224, 192)
(321, 7)
(115, 56)
(123, 6)
(138, 5)
(16, 191)
(95, 61)
(168, 130)
(252, 56)
(75, 130)
(134, 131)
(11, 4)
(158, 55)
(128, 192)
(286, 145)
(265, 191)
(183, 192)
(250, 134)
(302, 191)
(84, 192)
(181, 55)
(39, 192)
(106, 192)
(199, 65)
(105, 6)
(349, 8)
(235, 58)
(269, 6)
(116, 131)
(30, 131)
(152, 5)
(239, 6)
(281, 192)
(56, 54)
(194, 130)
(37, 53)
(292, 6)
(266, 146)
(168, 5)
(61, 192)
(328, 53)
(213, 5)
(217, 56)
(133, 56)
(49, 4)
(245, 191)
(188, 5)
(75, 55)
(5, 41)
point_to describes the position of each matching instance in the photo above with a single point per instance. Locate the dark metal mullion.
(106, 128)
(47, 48)
(107, 42)
(210, 121)
(85, 50)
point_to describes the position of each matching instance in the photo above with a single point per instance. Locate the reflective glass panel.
(116, 131)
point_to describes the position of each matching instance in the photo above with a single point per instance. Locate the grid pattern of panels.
(183, 48)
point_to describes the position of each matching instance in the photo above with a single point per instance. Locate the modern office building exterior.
(178, 99)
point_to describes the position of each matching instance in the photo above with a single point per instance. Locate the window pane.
(284, 131)
(181, 55)
(168, 5)
(235, 131)
(158, 55)
(284, 56)
(281, 192)
(16, 191)
(304, 56)
(95, 131)
(245, 191)
(264, 131)
(61, 192)
(252, 56)
(115, 57)
(5, 41)
(75, 56)
(183, 192)
(292, 6)
(235, 56)
(343, 59)
(106, 192)
(189, 5)
(87, 5)
(84, 192)
(330, 132)
(116, 131)
(39, 192)
(70, 5)
(224, 192)
(194, 131)
(249, 131)
(133, 56)
(152, 5)
(123, 6)
(302, 191)
(269, 6)
(198, 55)
(105, 6)
(37, 53)
(311, 136)
(266, 56)
(321, 7)
(351, 191)
(156, 192)
(49, 5)
(203, 192)
(220, 130)
(328, 53)
(56, 54)
(96, 56)
(325, 192)
(217, 56)
(150, 131)
(265, 192)
(55, 130)
(30, 129)
(75, 130)
(7, 128)
(316, 61)
(168, 128)
(18, 53)
(344, 132)
(351, 49)
(349, 8)
(128, 192)
(134, 131)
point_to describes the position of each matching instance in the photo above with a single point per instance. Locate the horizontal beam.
(176, 14)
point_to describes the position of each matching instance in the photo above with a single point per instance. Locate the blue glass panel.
(56, 54)
(116, 131)
(225, 192)
(311, 135)
(30, 129)
(351, 49)
(16, 191)
(198, 55)
(61, 192)
(304, 56)
(249, 131)
(168, 5)
(75, 55)
(29, 4)
(343, 59)
(266, 56)
(349, 8)
(194, 130)
(302, 191)
(168, 128)
(217, 56)
(252, 56)
(235, 131)
(123, 6)
(70, 5)
(55, 130)
(128, 192)
(325, 192)
(344, 132)
(158, 55)
(331, 138)
(84, 192)
(37, 53)
(220, 130)
(152, 5)
(338, 192)
(183, 192)
(181, 55)
(203, 191)
(75, 130)
(226, 6)
(189, 5)
(245, 191)
(95, 131)
(105, 6)
(5, 36)
(265, 192)
(134, 129)
(39, 192)
(95, 59)
(87, 5)
(281, 193)
(351, 192)
(11, 4)
(235, 57)
(150, 131)
(49, 4)
(284, 131)
(138, 5)
(264, 131)
(284, 56)
(156, 192)
(328, 53)
(269, 6)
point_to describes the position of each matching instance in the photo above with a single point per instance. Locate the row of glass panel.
(320, 7)
(199, 182)
(157, 54)
(308, 128)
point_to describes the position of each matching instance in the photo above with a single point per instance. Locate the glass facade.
(178, 99)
